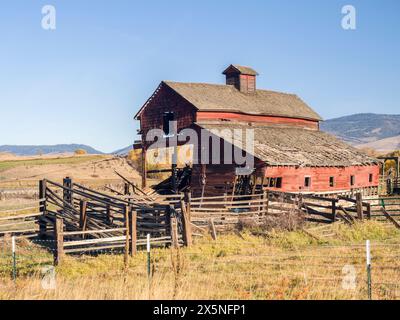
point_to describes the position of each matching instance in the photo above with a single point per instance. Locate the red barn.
(290, 153)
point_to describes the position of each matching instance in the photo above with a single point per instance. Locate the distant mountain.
(36, 150)
(123, 152)
(359, 129)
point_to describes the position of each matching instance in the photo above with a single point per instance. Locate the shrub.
(80, 152)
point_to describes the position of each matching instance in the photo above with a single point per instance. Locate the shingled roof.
(226, 98)
(294, 146)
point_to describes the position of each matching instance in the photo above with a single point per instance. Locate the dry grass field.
(25, 172)
(279, 265)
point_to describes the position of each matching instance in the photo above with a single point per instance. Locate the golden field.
(277, 265)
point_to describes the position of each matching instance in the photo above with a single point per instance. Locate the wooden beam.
(43, 208)
(334, 211)
(174, 233)
(133, 232)
(212, 229)
(359, 204)
(59, 241)
(83, 216)
(347, 215)
(127, 236)
(187, 228)
(390, 218)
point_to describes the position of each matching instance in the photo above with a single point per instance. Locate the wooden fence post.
(82, 216)
(368, 211)
(59, 241)
(127, 236)
(173, 226)
(132, 232)
(108, 214)
(300, 202)
(67, 194)
(213, 230)
(334, 210)
(174, 233)
(359, 206)
(126, 189)
(188, 201)
(43, 208)
(187, 228)
(266, 201)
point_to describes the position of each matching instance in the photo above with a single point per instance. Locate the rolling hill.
(363, 128)
(43, 149)
(123, 152)
(368, 130)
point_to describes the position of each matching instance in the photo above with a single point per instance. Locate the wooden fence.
(83, 220)
(76, 219)
(21, 221)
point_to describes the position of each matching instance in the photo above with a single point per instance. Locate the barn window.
(371, 178)
(274, 182)
(352, 180)
(307, 182)
(167, 118)
(331, 182)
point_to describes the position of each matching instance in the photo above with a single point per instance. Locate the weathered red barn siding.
(217, 179)
(293, 178)
(300, 123)
(167, 101)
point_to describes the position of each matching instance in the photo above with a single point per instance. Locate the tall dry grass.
(282, 265)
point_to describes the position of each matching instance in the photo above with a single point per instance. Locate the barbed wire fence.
(353, 271)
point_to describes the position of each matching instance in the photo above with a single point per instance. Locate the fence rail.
(81, 219)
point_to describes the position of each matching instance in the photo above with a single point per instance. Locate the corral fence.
(75, 219)
(224, 212)
(78, 219)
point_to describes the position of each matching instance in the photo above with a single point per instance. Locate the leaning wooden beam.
(390, 218)
(129, 182)
(212, 229)
(343, 217)
(347, 214)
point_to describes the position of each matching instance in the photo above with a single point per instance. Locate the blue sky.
(84, 82)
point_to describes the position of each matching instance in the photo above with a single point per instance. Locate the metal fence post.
(14, 258)
(369, 280)
(148, 256)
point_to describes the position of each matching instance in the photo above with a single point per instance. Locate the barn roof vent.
(242, 78)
